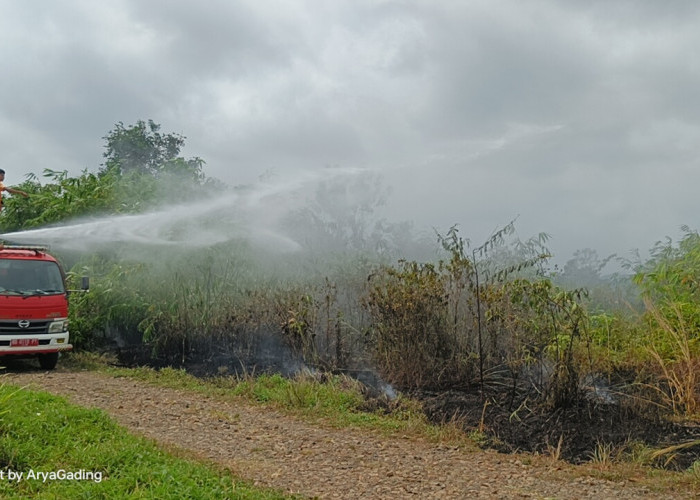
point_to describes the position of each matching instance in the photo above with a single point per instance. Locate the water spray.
(254, 213)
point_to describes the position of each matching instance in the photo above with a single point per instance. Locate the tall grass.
(677, 353)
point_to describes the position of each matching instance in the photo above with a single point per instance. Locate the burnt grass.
(577, 430)
(574, 432)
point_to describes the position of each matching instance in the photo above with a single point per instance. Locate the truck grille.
(12, 327)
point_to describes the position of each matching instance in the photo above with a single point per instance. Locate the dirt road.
(279, 451)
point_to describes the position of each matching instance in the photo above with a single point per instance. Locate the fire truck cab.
(33, 304)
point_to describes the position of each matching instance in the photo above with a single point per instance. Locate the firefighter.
(8, 189)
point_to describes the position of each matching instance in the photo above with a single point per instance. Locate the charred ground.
(593, 424)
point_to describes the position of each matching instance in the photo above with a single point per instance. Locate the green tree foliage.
(62, 198)
(143, 148)
(672, 275)
(142, 169)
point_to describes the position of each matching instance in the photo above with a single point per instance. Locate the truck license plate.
(24, 342)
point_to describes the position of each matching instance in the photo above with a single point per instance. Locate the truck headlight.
(58, 326)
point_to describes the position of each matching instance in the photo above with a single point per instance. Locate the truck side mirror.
(85, 283)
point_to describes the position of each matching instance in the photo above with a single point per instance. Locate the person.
(8, 189)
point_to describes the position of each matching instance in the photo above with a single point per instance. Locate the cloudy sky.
(580, 118)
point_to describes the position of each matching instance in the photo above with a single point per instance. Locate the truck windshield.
(30, 277)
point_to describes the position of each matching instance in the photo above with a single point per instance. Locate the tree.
(142, 168)
(142, 148)
(585, 268)
(340, 214)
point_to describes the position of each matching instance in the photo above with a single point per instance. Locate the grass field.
(50, 449)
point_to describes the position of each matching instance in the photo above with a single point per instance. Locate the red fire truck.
(33, 304)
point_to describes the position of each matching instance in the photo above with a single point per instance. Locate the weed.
(694, 472)
(602, 455)
(479, 437)
(554, 452)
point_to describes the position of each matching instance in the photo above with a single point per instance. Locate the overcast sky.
(581, 118)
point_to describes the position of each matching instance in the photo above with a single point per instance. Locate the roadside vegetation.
(488, 335)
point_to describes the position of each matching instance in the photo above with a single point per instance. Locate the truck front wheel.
(48, 361)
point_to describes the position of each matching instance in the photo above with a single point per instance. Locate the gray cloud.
(579, 116)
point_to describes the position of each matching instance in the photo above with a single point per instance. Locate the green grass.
(43, 433)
